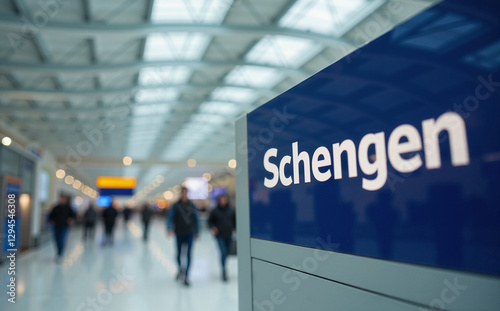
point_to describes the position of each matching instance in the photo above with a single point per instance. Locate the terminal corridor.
(130, 275)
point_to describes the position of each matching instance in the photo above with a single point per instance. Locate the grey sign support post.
(243, 218)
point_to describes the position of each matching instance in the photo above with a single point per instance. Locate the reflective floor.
(130, 275)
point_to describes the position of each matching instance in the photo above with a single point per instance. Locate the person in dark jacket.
(61, 216)
(109, 217)
(147, 213)
(222, 222)
(183, 220)
(127, 213)
(89, 218)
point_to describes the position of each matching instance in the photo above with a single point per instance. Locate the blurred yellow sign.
(113, 182)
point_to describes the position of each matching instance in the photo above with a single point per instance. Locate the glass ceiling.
(238, 87)
(283, 51)
(252, 76)
(163, 75)
(321, 16)
(175, 46)
(236, 95)
(190, 11)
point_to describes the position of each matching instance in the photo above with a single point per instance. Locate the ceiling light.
(191, 162)
(69, 179)
(127, 161)
(77, 184)
(207, 176)
(168, 195)
(6, 141)
(60, 173)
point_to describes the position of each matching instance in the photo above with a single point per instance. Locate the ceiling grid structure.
(167, 77)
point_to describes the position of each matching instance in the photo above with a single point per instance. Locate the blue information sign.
(392, 152)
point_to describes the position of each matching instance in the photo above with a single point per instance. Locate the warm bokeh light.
(127, 161)
(160, 179)
(232, 163)
(207, 176)
(86, 190)
(6, 141)
(161, 204)
(177, 188)
(168, 195)
(191, 162)
(77, 184)
(210, 188)
(60, 173)
(69, 179)
(24, 201)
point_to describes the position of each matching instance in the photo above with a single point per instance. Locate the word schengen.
(404, 151)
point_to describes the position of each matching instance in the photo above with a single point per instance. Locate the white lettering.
(395, 148)
(372, 154)
(317, 163)
(270, 167)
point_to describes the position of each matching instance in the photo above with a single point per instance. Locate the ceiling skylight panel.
(141, 140)
(139, 121)
(156, 95)
(207, 119)
(254, 76)
(234, 94)
(283, 51)
(164, 75)
(190, 11)
(175, 46)
(322, 16)
(228, 109)
(181, 146)
(151, 110)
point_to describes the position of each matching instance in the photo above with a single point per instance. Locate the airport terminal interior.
(129, 102)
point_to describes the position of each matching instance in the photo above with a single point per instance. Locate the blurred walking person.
(222, 222)
(61, 216)
(127, 213)
(89, 218)
(147, 213)
(183, 220)
(109, 217)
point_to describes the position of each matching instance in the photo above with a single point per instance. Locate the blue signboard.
(116, 191)
(392, 152)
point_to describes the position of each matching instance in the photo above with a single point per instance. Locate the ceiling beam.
(108, 109)
(133, 67)
(62, 95)
(118, 163)
(139, 30)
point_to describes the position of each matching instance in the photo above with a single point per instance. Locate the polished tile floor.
(130, 275)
